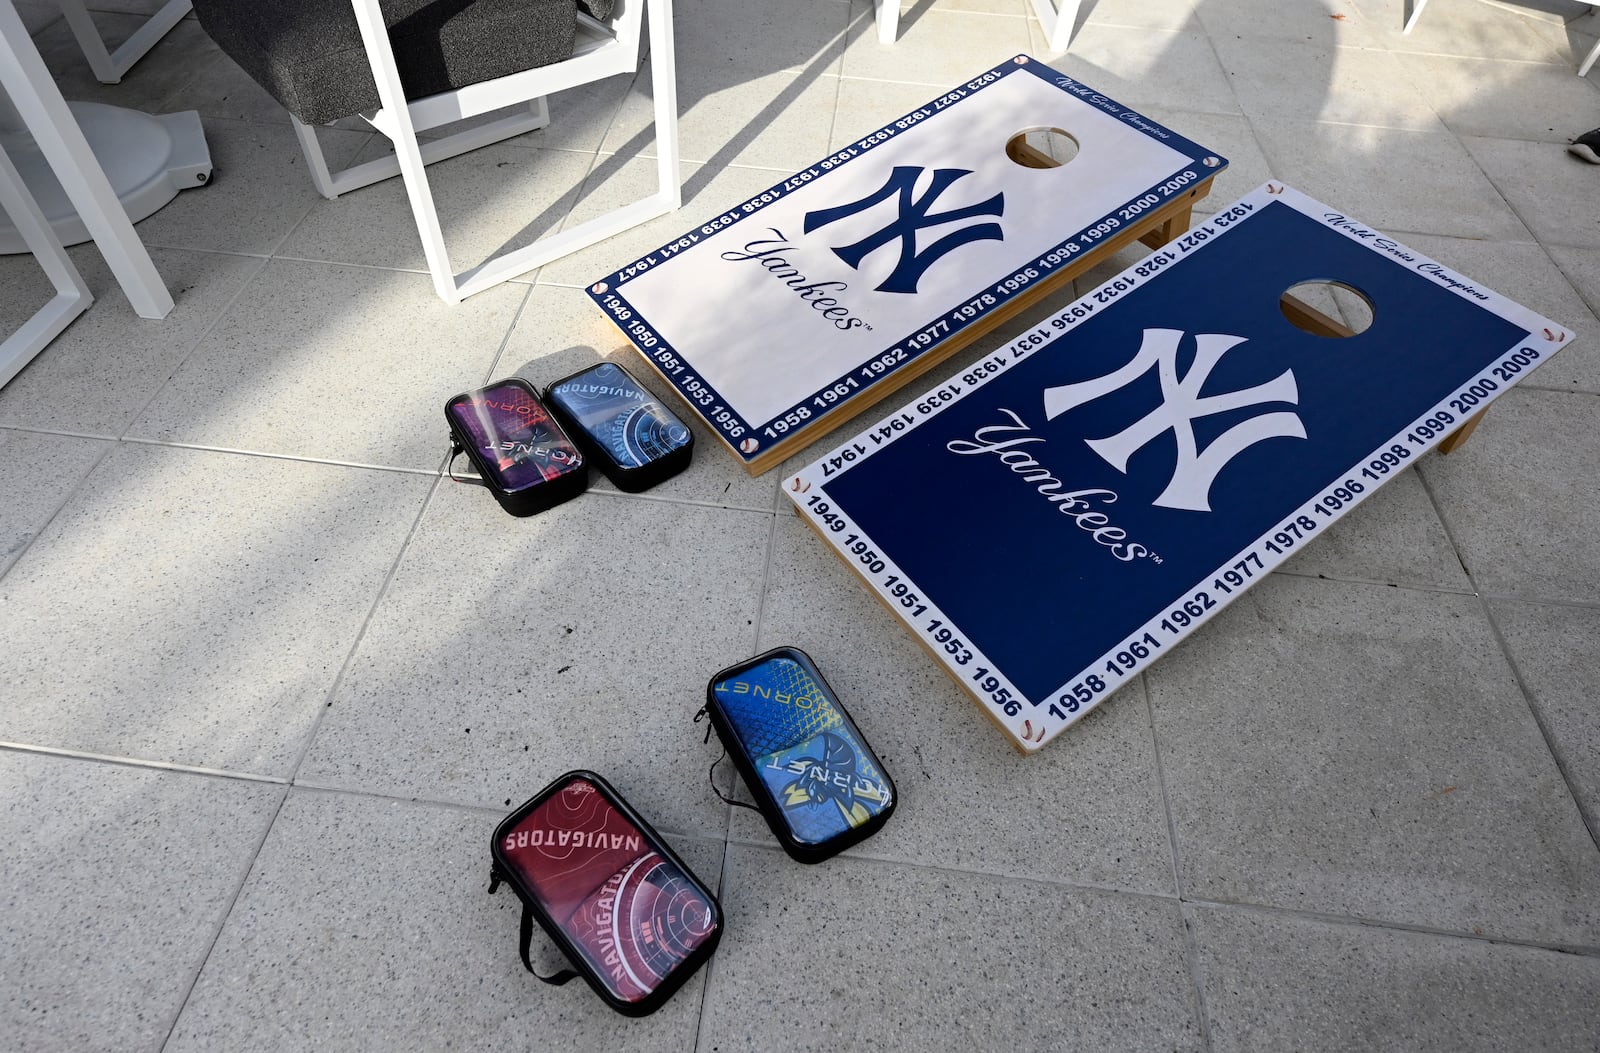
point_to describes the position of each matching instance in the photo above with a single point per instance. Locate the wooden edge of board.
(1453, 441)
(977, 699)
(1023, 154)
(1313, 321)
(1169, 220)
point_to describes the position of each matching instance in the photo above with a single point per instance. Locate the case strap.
(456, 450)
(525, 937)
(555, 979)
(712, 774)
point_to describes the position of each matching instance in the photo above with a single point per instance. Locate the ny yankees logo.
(913, 216)
(1181, 405)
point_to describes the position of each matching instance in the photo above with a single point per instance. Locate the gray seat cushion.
(308, 54)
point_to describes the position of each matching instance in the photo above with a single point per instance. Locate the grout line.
(353, 265)
(1410, 586)
(838, 91)
(1550, 743)
(728, 840)
(205, 334)
(1161, 783)
(678, 501)
(1191, 956)
(16, 557)
(759, 621)
(237, 254)
(313, 786)
(305, 749)
(298, 458)
(444, 804)
(298, 155)
(223, 915)
(361, 633)
(711, 963)
(1589, 300)
(1324, 917)
(1191, 946)
(1542, 602)
(600, 157)
(1477, 166)
(505, 341)
(140, 762)
(1233, 92)
(861, 854)
(1532, 384)
(1357, 922)
(436, 472)
(59, 432)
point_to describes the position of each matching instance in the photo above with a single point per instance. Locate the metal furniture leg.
(109, 66)
(24, 77)
(1594, 53)
(72, 296)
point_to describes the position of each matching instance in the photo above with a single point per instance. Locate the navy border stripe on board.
(1069, 249)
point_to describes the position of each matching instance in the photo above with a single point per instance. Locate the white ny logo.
(1181, 405)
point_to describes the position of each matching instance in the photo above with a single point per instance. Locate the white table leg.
(1594, 53)
(888, 21)
(1412, 12)
(1057, 22)
(72, 295)
(27, 81)
(109, 66)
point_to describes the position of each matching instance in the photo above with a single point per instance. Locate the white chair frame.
(1594, 52)
(602, 50)
(1413, 11)
(110, 66)
(1056, 19)
(72, 296)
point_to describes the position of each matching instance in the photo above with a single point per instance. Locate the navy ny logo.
(1181, 405)
(913, 216)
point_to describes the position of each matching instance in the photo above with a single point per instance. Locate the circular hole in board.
(1327, 308)
(1041, 147)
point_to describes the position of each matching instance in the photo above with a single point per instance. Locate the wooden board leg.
(1177, 222)
(1166, 231)
(1313, 321)
(1461, 434)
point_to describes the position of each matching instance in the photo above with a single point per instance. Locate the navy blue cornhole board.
(1060, 516)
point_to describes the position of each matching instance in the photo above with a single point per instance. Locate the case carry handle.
(525, 939)
(456, 450)
(712, 774)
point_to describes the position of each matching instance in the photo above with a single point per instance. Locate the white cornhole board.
(784, 316)
(1060, 516)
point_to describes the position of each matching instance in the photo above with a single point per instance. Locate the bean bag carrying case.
(624, 429)
(812, 774)
(629, 916)
(520, 451)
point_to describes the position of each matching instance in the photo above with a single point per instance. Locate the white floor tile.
(213, 599)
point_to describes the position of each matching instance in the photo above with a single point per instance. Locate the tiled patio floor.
(268, 681)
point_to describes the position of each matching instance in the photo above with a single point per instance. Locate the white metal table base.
(27, 81)
(1057, 21)
(109, 66)
(72, 296)
(147, 158)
